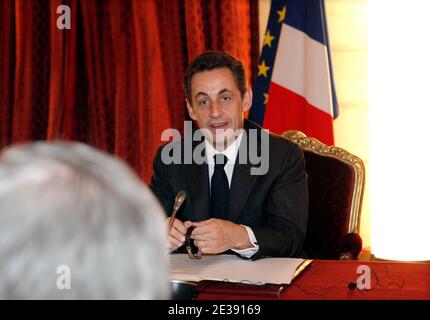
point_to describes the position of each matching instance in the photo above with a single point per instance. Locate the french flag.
(294, 87)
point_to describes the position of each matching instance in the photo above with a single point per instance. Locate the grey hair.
(65, 203)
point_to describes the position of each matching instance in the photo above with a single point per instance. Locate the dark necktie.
(220, 191)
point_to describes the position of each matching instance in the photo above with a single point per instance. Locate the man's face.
(217, 105)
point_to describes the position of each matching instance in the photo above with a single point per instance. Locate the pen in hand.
(180, 197)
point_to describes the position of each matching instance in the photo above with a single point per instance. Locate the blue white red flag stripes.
(294, 87)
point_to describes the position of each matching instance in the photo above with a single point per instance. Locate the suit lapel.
(241, 185)
(242, 181)
(197, 178)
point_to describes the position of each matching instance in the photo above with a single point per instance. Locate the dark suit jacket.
(274, 205)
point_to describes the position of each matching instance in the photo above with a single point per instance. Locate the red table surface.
(328, 280)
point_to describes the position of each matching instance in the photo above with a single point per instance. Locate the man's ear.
(191, 111)
(247, 100)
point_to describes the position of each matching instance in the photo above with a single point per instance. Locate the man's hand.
(176, 237)
(215, 236)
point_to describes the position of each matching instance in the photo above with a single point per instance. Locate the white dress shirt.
(231, 154)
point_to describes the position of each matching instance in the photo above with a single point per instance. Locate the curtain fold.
(194, 27)
(152, 96)
(62, 80)
(174, 57)
(114, 80)
(31, 83)
(7, 68)
(124, 80)
(97, 45)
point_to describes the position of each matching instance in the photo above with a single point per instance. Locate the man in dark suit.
(234, 204)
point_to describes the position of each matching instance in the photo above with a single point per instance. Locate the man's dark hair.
(211, 60)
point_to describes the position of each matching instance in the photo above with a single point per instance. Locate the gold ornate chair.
(336, 183)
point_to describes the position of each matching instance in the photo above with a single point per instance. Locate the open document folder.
(231, 268)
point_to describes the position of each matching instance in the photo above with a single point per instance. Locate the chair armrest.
(350, 246)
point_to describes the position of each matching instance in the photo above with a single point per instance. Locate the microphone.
(180, 197)
(352, 285)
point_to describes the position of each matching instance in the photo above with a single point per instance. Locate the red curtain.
(115, 79)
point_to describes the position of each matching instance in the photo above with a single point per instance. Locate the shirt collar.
(230, 152)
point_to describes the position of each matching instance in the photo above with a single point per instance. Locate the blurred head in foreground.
(76, 223)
